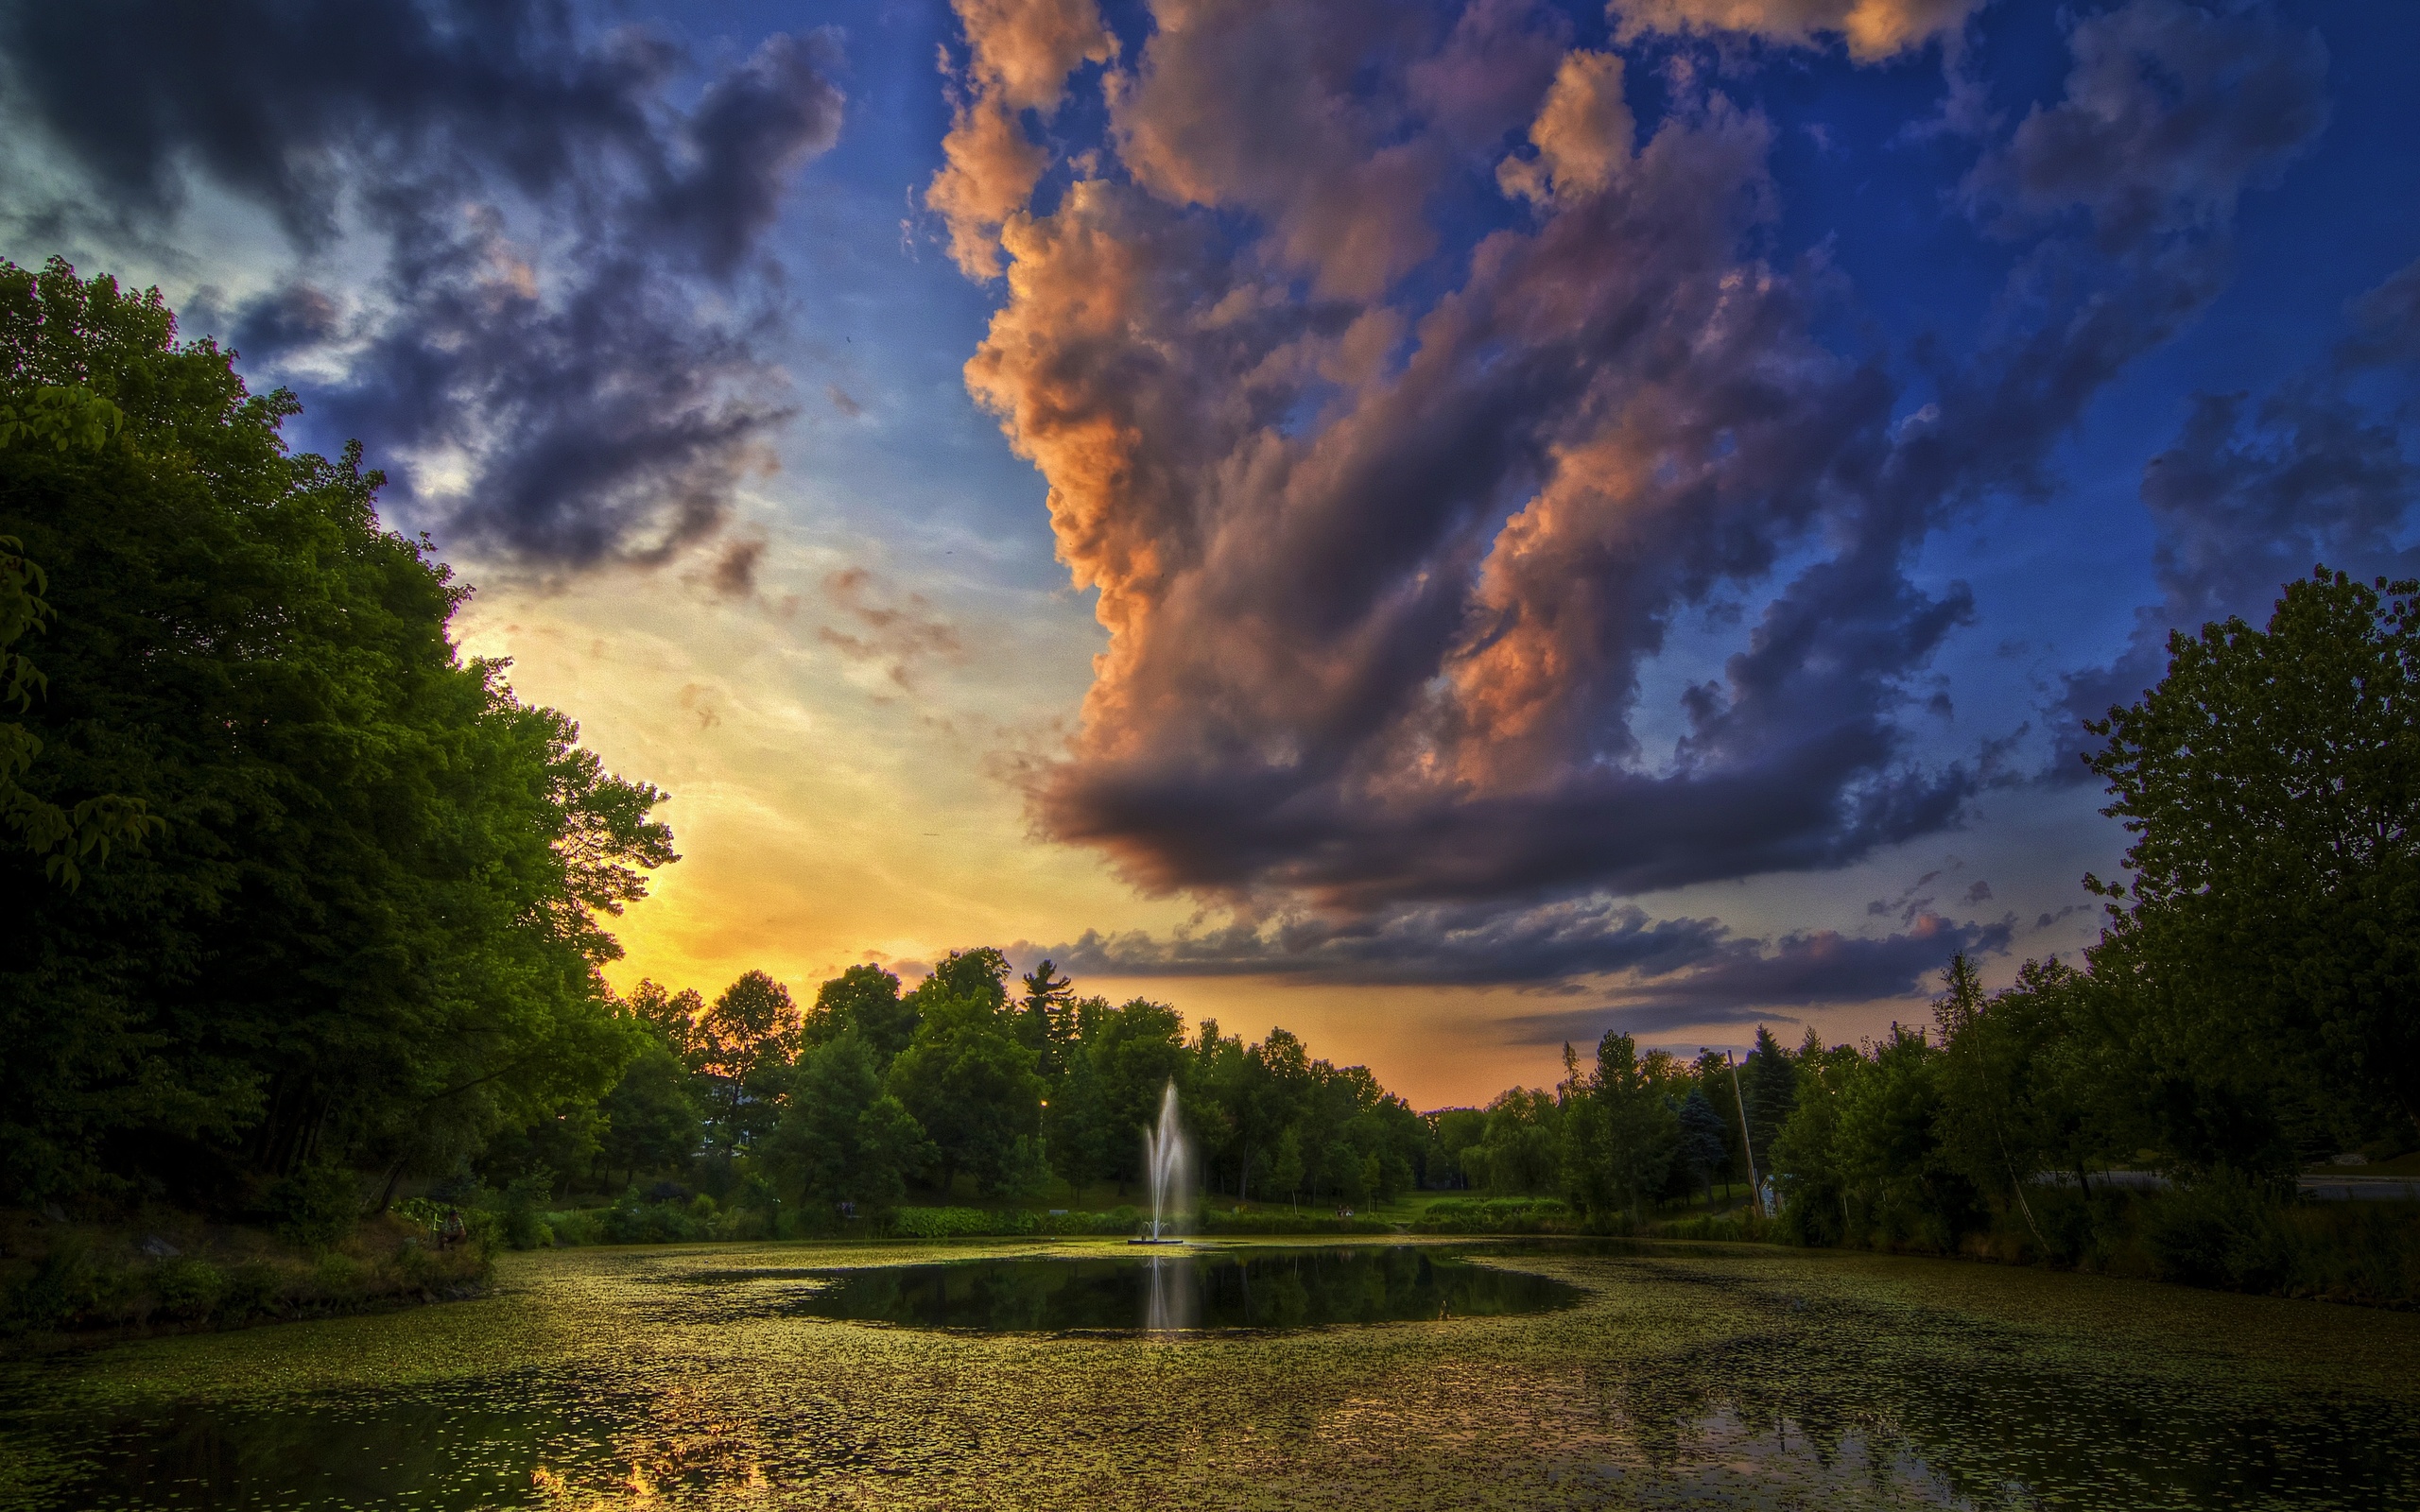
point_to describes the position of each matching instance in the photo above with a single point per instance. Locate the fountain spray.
(1164, 1162)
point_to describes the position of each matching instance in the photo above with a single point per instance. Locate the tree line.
(300, 900)
(2252, 1006)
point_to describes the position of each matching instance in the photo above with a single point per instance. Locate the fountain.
(1163, 1165)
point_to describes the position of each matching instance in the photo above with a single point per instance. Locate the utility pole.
(1755, 1202)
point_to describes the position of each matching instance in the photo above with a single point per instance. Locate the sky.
(1451, 528)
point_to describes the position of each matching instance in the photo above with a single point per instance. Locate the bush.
(317, 1207)
(523, 1227)
(636, 1221)
(1498, 1216)
(959, 1223)
(2221, 1230)
(1270, 1221)
(577, 1227)
(187, 1288)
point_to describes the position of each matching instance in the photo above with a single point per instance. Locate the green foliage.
(969, 1084)
(523, 1225)
(316, 1206)
(2265, 953)
(842, 1137)
(1498, 1216)
(365, 924)
(651, 1122)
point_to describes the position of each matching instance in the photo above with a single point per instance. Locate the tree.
(1770, 1079)
(2267, 945)
(650, 1123)
(673, 1019)
(841, 1137)
(370, 930)
(1621, 1135)
(1045, 1018)
(970, 1084)
(1702, 1152)
(1136, 1050)
(862, 1000)
(747, 1041)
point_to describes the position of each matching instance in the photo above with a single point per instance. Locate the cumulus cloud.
(1018, 55)
(1582, 133)
(539, 363)
(1382, 572)
(2170, 112)
(1873, 29)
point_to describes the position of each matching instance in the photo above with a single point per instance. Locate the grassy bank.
(163, 1272)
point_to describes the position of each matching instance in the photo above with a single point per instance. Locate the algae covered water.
(1676, 1376)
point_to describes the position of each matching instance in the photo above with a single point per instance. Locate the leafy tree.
(841, 1137)
(651, 1121)
(674, 1017)
(969, 1084)
(747, 1041)
(1285, 1168)
(1522, 1153)
(1136, 1050)
(369, 928)
(863, 1000)
(2267, 945)
(1621, 1135)
(1700, 1153)
(980, 974)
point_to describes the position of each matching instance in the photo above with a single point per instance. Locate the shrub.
(958, 1223)
(2219, 1230)
(632, 1221)
(316, 1206)
(187, 1288)
(522, 1226)
(251, 1290)
(1497, 1216)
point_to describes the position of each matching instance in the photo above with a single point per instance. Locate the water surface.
(1246, 1287)
(1678, 1376)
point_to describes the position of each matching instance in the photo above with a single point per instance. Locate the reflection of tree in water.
(1271, 1290)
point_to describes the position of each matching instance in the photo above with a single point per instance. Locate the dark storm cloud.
(1471, 945)
(537, 354)
(1753, 981)
(1383, 583)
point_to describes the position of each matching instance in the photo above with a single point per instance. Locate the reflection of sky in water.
(1684, 1379)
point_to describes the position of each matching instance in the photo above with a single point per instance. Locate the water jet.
(1165, 1162)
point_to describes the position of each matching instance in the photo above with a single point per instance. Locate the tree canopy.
(366, 920)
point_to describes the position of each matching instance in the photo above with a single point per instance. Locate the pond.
(1661, 1375)
(1187, 1291)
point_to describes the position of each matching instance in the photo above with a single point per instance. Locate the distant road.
(2330, 1187)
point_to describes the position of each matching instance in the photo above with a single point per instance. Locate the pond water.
(1241, 1288)
(1014, 1376)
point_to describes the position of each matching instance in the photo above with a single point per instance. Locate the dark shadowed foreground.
(1685, 1376)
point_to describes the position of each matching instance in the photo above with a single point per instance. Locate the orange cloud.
(1874, 29)
(1020, 53)
(1582, 133)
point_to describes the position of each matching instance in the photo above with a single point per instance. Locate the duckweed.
(1685, 1376)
